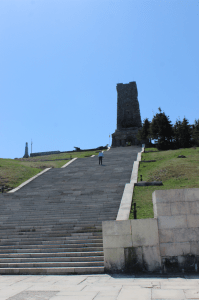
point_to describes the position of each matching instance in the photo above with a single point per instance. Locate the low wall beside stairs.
(131, 245)
(177, 213)
(167, 243)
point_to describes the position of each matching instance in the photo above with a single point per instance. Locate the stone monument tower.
(26, 151)
(128, 115)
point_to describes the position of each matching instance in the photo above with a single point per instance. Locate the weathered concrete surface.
(144, 232)
(98, 287)
(131, 245)
(167, 243)
(178, 224)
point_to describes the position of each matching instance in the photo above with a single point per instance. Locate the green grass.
(13, 172)
(175, 173)
(151, 149)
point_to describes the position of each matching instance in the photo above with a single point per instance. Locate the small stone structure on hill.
(26, 151)
(128, 115)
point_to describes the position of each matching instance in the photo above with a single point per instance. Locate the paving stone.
(29, 295)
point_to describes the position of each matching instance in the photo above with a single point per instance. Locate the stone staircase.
(53, 225)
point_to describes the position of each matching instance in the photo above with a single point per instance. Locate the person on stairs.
(100, 155)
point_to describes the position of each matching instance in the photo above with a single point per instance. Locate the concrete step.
(49, 226)
(42, 241)
(51, 235)
(48, 264)
(52, 259)
(41, 246)
(53, 254)
(53, 225)
(53, 249)
(66, 219)
(52, 271)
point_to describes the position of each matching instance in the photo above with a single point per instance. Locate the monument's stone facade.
(128, 115)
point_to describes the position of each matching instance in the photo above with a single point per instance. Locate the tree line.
(168, 136)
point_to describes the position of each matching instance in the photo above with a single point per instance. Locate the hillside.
(13, 172)
(174, 172)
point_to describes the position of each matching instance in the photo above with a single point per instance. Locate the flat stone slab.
(30, 295)
(104, 287)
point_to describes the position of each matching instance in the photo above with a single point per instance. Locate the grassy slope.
(13, 172)
(175, 173)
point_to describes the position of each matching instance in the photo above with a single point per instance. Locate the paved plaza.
(103, 286)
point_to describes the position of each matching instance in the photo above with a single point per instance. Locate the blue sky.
(60, 62)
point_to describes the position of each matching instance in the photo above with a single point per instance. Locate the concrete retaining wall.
(167, 243)
(177, 212)
(131, 245)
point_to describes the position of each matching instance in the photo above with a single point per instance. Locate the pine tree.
(195, 134)
(185, 137)
(144, 132)
(161, 130)
(182, 134)
(176, 133)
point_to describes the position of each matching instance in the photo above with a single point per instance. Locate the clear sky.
(60, 62)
